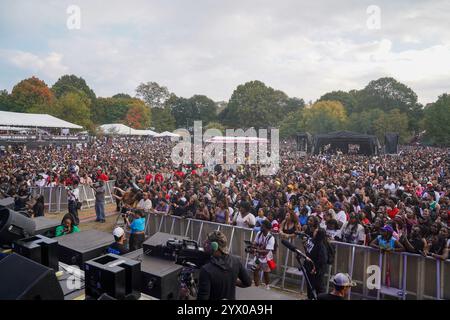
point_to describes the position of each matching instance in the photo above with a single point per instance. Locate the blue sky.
(305, 48)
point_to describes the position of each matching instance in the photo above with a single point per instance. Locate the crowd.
(392, 202)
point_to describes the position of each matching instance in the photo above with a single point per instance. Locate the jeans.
(74, 211)
(100, 210)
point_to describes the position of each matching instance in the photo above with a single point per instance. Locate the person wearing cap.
(342, 284)
(118, 247)
(218, 278)
(386, 242)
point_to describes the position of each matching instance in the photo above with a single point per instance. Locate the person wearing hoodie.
(219, 277)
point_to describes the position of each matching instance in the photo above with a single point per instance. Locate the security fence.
(402, 275)
(55, 198)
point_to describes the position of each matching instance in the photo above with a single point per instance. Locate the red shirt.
(103, 177)
(392, 212)
(148, 178)
(159, 177)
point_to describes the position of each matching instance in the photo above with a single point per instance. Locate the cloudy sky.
(304, 48)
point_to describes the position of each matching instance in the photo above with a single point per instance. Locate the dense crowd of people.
(392, 202)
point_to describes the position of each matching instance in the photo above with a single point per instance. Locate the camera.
(249, 247)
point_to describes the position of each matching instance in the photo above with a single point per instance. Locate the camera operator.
(137, 236)
(219, 277)
(264, 246)
(73, 196)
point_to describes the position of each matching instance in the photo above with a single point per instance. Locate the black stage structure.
(347, 142)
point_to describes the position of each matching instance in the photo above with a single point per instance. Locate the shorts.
(262, 266)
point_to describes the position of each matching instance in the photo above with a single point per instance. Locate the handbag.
(272, 265)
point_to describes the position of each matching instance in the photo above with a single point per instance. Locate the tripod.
(302, 268)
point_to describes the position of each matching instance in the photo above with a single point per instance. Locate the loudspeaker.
(155, 245)
(24, 279)
(114, 275)
(159, 277)
(7, 203)
(391, 142)
(40, 249)
(14, 226)
(45, 226)
(77, 248)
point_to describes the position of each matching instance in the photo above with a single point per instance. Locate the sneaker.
(267, 287)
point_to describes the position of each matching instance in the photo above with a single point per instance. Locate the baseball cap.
(343, 280)
(118, 232)
(221, 240)
(387, 228)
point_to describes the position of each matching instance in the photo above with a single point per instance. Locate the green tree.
(291, 124)
(31, 94)
(122, 95)
(138, 115)
(162, 120)
(324, 116)
(347, 99)
(5, 101)
(154, 95)
(206, 108)
(363, 122)
(392, 121)
(72, 83)
(253, 104)
(75, 107)
(215, 125)
(437, 120)
(184, 112)
(386, 94)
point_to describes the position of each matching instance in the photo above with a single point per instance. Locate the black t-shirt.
(117, 248)
(328, 296)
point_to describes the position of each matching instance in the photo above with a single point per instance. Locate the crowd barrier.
(55, 198)
(403, 275)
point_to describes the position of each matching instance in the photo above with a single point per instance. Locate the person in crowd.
(202, 212)
(386, 241)
(145, 204)
(38, 207)
(222, 214)
(67, 226)
(259, 219)
(415, 242)
(342, 283)
(352, 231)
(118, 247)
(244, 218)
(439, 245)
(265, 245)
(137, 229)
(289, 226)
(99, 191)
(218, 278)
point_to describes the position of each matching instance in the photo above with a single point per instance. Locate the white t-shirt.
(352, 237)
(265, 242)
(244, 222)
(341, 216)
(145, 205)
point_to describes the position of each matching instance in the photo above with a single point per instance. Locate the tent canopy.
(166, 134)
(121, 129)
(233, 140)
(369, 144)
(34, 120)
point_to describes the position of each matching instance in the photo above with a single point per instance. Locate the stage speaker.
(155, 245)
(46, 226)
(77, 248)
(24, 279)
(7, 203)
(114, 275)
(14, 226)
(159, 277)
(391, 142)
(40, 249)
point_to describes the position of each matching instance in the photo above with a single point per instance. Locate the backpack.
(331, 252)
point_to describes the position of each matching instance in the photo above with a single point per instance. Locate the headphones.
(214, 246)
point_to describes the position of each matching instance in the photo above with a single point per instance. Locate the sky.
(304, 48)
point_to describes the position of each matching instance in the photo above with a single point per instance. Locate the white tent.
(233, 140)
(34, 120)
(121, 129)
(166, 134)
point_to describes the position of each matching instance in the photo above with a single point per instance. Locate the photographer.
(264, 246)
(73, 195)
(219, 277)
(137, 236)
(99, 191)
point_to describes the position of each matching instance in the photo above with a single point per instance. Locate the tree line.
(383, 105)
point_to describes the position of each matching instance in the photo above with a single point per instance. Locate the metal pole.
(405, 262)
(438, 279)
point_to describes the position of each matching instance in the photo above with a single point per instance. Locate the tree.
(111, 110)
(386, 94)
(291, 124)
(154, 95)
(436, 121)
(347, 99)
(392, 121)
(324, 116)
(30, 94)
(75, 107)
(363, 122)
(162, 120)
(184, 112)
(5, 101)
(206, 108)
(138, 116)
(122, 95)
(253, 104)
(215, 125)
(72, 83)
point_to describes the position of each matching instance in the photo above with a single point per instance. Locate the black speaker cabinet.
(154, 245)
(159, 277)
(46, 226)
(40, 249)
(117, 276)
(77, 248)
(24, 279)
